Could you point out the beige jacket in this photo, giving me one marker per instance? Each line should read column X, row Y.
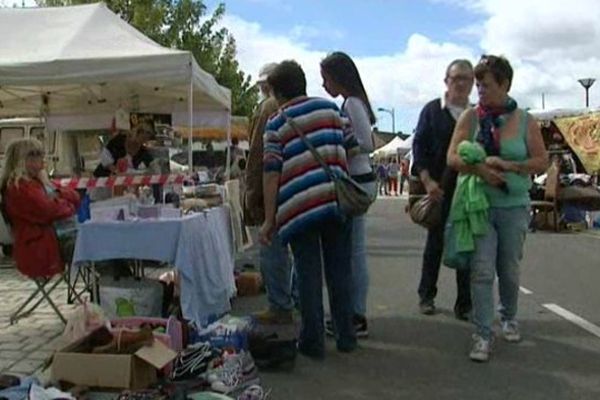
column 254, row 208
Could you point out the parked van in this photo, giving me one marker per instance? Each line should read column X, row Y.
column 68, row 153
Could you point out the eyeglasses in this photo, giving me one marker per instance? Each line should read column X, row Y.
column 461, row 78
column 35, row 153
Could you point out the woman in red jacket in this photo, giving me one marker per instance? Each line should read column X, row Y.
column 38, row 212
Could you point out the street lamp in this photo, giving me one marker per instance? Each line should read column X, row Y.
column 587, row 84
column 392, row 112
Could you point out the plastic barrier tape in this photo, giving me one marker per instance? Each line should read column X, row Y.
column 125, row 180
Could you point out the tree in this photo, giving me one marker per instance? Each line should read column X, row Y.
column 178, row 24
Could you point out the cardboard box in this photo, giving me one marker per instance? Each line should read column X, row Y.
column 119, row 371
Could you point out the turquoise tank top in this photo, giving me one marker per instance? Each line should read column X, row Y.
column 511, row 149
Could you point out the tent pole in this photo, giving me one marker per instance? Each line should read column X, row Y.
column 228, row 166
column 191, row 116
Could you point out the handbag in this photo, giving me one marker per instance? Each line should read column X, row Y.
column 422, row 209
column 426, row 212
column 352, row 199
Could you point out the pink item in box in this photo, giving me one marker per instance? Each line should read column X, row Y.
column 173, row 336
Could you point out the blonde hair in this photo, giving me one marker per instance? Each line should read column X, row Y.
column 14, row 160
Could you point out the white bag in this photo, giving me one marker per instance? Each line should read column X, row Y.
column 128, row 297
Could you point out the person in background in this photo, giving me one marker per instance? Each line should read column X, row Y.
column 393, row 170
column 275, row 263
column 515, row 150
column 382, row 178
column 125, row 151
column 403, row 173
column 432, row 138
column 41, row 215
column 341, row 78
column 301, row 204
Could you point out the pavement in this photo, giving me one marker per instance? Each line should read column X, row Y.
column 409, row 355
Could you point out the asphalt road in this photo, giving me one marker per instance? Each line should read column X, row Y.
column 411, row 356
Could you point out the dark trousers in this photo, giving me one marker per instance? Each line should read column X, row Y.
column 324, row 249
column 432, row 258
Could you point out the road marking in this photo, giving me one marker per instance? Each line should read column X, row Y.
column 574, row 318
column 524, row 290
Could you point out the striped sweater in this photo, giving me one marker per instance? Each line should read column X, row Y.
column 306, row 195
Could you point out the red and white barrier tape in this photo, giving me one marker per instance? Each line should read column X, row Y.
column 124, row 180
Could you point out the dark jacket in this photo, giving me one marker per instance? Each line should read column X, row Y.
column 431, row 142
column 32, row 213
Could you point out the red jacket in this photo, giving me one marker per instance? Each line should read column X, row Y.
column 32, row 212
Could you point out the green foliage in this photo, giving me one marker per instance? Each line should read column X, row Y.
column 182, row 24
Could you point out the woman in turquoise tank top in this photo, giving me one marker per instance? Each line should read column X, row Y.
column 515, row 150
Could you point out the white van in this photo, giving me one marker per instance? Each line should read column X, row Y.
column 67, row 153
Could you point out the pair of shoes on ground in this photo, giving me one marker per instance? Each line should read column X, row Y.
column 482, row 347
column 274, row 317
column 361, row 327
column 318, row 352
column 462, row 314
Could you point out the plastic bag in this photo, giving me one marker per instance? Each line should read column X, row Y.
column 86, row 318
column 452, row 257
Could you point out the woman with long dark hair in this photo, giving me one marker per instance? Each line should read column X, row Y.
column 341, row 78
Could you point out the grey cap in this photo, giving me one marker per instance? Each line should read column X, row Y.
column 264, row 72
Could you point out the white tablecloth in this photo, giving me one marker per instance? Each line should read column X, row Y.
column 199, row 246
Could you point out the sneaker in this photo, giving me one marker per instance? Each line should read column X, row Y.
column 510, row 331
column 462, row 314
column 254, row 392
column 361, row 327
column 480, row 352
column 236, row 373
column 427, row 308
column 274, row 317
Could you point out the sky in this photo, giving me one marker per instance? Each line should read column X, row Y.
column 402, row 47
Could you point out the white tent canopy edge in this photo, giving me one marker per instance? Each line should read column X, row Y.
column 85, row 60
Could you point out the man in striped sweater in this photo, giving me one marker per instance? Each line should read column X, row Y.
column 301, row 204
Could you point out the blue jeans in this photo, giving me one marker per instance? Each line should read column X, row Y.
column 278, row 273
column 360, row 271
column 324, row 248
column 498, row 253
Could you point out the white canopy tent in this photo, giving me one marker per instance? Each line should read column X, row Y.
column 85, row 60
column 395, row 147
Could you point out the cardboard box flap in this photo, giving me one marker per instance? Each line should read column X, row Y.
column 158, row 355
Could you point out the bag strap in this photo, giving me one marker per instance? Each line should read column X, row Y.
column 308, row 144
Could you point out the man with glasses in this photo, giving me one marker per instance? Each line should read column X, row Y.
column 432, row 138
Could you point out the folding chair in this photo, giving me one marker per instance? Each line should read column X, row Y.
column 42, row 285
column 45, row 286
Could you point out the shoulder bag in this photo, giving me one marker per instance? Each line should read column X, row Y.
column 423, row 210
column 352, row 199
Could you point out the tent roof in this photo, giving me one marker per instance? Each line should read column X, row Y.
column 86, row 59
column 392, row 147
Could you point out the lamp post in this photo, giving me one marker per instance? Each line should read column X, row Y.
column 587, row 84
column 392, row 112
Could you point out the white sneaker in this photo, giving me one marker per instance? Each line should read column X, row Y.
column 510, row 331
column 481, row 349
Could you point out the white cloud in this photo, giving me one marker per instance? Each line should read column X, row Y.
column 405, row 80
column 550, row 43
